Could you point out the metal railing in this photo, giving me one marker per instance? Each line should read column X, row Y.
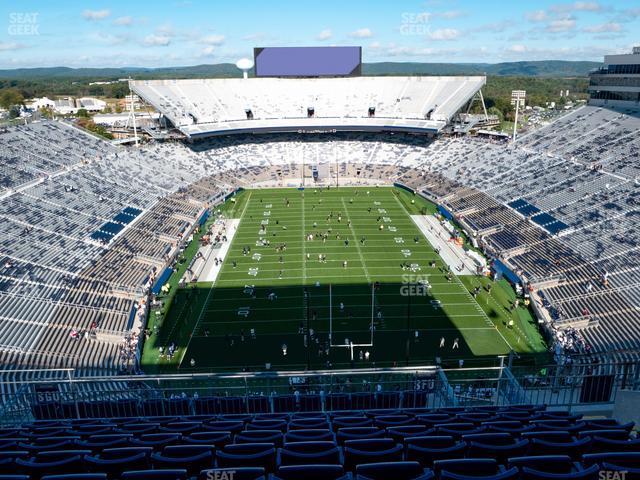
column 28, row 395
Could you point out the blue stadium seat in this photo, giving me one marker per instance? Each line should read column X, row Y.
column 510, row 474
column 630, row 473
column 507, row 426
column 481, row 467
column 112, row 440
column 193, row 458
column 72, row 476
column 286, row 416
column 608, row 424
column 310, row 435
column 590, row 473
column 272, row 424
column 393, row 470
column 501, row 452
column 393, row 421
column 309, row 423
column 114, row 461
column 406, row 431
column 310, row 453
column 231, row 426
column 426, row 450
column 238, row 473
column 52, row 462
column 343, row 422
column 574, row 448
column 544, row 463
column 600, row 444
column 312, row 472
column 50, row 443
column 630, row 459
column 181, row 427
column 175, row 474
column 358, row 433
column 248, row 455
column 357, row 452
column 458, row 429
column 612, row 434
column 218, row 438
column 138, row 428
column 260, row 436
column 156, row 440
column 433, row 419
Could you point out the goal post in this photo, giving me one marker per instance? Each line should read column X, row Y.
column 351, row 345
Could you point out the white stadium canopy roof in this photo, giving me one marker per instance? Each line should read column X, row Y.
column 204, row 107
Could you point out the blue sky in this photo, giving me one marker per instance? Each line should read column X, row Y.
column 186, row 32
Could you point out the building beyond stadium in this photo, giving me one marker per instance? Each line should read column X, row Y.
column 617, row 84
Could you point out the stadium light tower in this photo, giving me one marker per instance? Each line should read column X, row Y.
column 245, row 64
column 517, row 98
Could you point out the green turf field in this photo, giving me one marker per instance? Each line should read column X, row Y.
column 270, row 253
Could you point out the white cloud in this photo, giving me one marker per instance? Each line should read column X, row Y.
column 207, row 51
column 537, row 16
column 154, row 40
column 325, row 34
column 610, row 27
column 562, row 25
column 576, row 7
column 587, row 6
column 444, row 34
column 517, row 48
column 123, row 21
column 10, row 46
column 108, row 38
column 361, row 33
column 213, row 39
column 93, row 15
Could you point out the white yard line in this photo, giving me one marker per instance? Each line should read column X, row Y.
column 464, row 289
column 304, row 245
column 206, row 301
column 355, row 240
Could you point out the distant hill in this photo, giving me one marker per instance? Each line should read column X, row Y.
column 550, row 68
column 546, row 68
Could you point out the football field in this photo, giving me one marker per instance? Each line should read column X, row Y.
column 340, row 277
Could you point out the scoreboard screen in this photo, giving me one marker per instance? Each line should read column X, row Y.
column 308, row 61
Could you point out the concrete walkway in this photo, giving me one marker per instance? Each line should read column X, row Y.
column 205, row 268
column 438, row 236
